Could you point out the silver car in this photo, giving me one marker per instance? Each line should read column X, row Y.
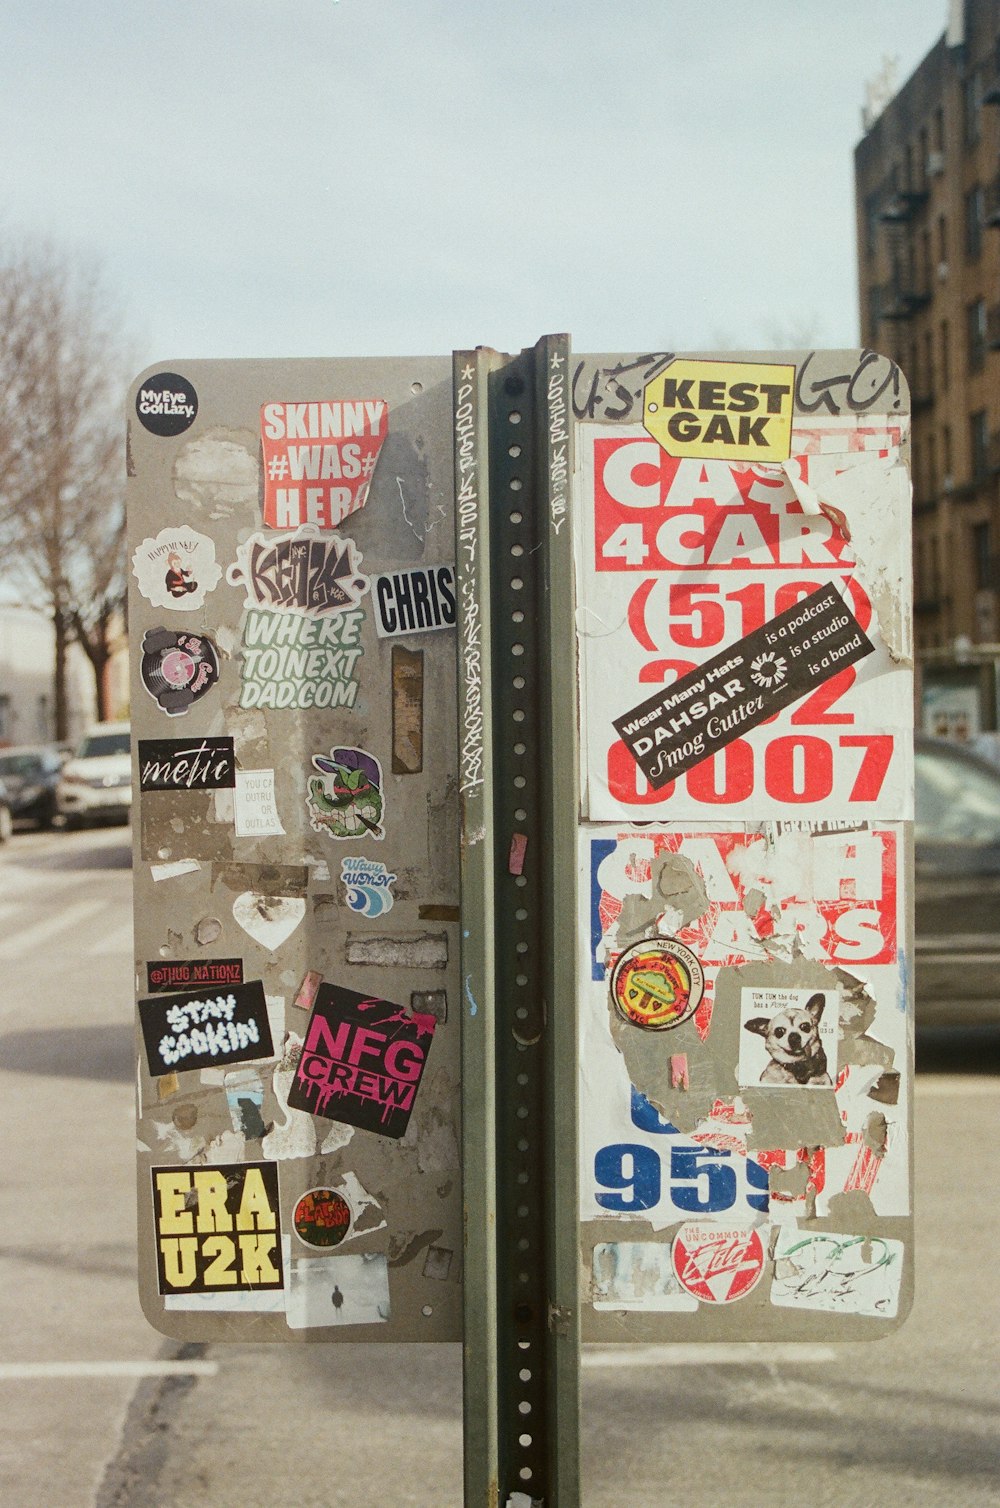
column 96, row 783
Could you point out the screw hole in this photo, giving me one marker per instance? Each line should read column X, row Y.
column 416, row 387
column 517, row 549
column 514, row 416
column 519, row 683
column 516, row 484
column 514, row 450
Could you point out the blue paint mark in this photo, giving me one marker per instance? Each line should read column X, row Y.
column 904, row 977
column 466, row 934
column 473, row 1007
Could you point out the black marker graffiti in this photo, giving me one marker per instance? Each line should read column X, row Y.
column 855, row 392
column 606, row 392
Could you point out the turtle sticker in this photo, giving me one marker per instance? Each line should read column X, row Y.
column 345, row 798
column 657, row 983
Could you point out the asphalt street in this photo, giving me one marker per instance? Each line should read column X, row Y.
column 99, row 1410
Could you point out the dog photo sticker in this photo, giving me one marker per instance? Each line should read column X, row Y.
column 177, row 569
column 788, row 1038
column 177, row 668
column 657, row 983
column 345, row 798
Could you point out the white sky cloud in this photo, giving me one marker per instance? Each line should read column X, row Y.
column 355, row 177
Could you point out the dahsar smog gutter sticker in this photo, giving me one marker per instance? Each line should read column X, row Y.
column 743, row 686
column 722, row 411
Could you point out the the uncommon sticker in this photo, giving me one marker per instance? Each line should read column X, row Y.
column 722, row 410
column 717, row 1263
column 362, row 1061
column 414, row 601
column 206, row 1028
column 657, row 983
column 368, row 884
column 176, row 569
column 185, row 764
column 788, row 1038
column 345, row 798
column 734, row 691
column 164, row 976
column 319, row 458
column 217, row 1229
column 177, row 668
column 303, row 572
column 322, row 1218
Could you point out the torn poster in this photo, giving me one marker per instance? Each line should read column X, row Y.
column 319, row 459
column 694, row 704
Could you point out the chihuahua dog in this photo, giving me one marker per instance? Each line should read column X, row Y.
column 792, row 1040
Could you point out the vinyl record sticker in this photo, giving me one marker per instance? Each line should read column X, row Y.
column 177, row 668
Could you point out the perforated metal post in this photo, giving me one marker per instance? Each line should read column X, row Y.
column 519, row 814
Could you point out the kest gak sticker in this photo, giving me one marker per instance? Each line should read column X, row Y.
column 722, row 410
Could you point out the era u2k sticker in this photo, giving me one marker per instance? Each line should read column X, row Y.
column 319, row 458
column 345, row 798
column 217, row 1229
column 362, row 1061
column 177, row 569
column 177, row 669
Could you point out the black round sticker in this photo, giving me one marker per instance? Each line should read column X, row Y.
column 166, row 404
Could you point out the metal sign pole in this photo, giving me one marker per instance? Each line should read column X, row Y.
column 518, row 717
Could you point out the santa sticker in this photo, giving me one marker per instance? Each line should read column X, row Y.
column 176, row 569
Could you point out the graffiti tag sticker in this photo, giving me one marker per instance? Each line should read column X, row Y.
column 718, row 1264
column 369, row 886
column 177, row 669
column 322, row 1218
column 657, row 983
column 299, row 573
column 205, row 1028
column 217, row 1229
column 742, row 687
column 188, row 973
column 841, row 1274
column 183, row 764
column 319, row 458
column 177, row 569
column 294, row 663
column 362, row 1061
column 345, row 799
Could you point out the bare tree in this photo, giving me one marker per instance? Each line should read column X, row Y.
column 62, row 374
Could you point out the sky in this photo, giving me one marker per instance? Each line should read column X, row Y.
column 398, row 177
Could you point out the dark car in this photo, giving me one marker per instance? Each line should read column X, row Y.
column 6, row 816
column 30, row 775
column 957, row 886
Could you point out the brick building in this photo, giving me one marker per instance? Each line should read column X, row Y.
column 927, row 183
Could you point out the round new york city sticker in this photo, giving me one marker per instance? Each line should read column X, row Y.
column 657, row 983
column 322, row 1218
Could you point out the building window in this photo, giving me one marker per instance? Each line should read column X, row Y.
column 874, row 311
column 974, row 216
column 981, row 562
column 975, row 316
column 872, row 223
column 932, row 466
column 942, row 241
column 945, row 354
column 946, row 455
column 979, row 445
column 972, row 108
column 939, row 130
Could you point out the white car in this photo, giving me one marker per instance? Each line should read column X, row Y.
column 96, row 783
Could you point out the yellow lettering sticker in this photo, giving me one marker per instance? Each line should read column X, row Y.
column 722, row 410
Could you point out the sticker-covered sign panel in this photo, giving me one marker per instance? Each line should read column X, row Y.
column 291, row 553
column 743, row 635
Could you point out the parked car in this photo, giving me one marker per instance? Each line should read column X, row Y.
column 957, row 886
column 6, row 815
column 30, row 775
column 96, row 783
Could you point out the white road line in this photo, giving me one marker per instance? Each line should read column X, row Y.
column 17, row 944
column 28, row 1371
column 711, row 1354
